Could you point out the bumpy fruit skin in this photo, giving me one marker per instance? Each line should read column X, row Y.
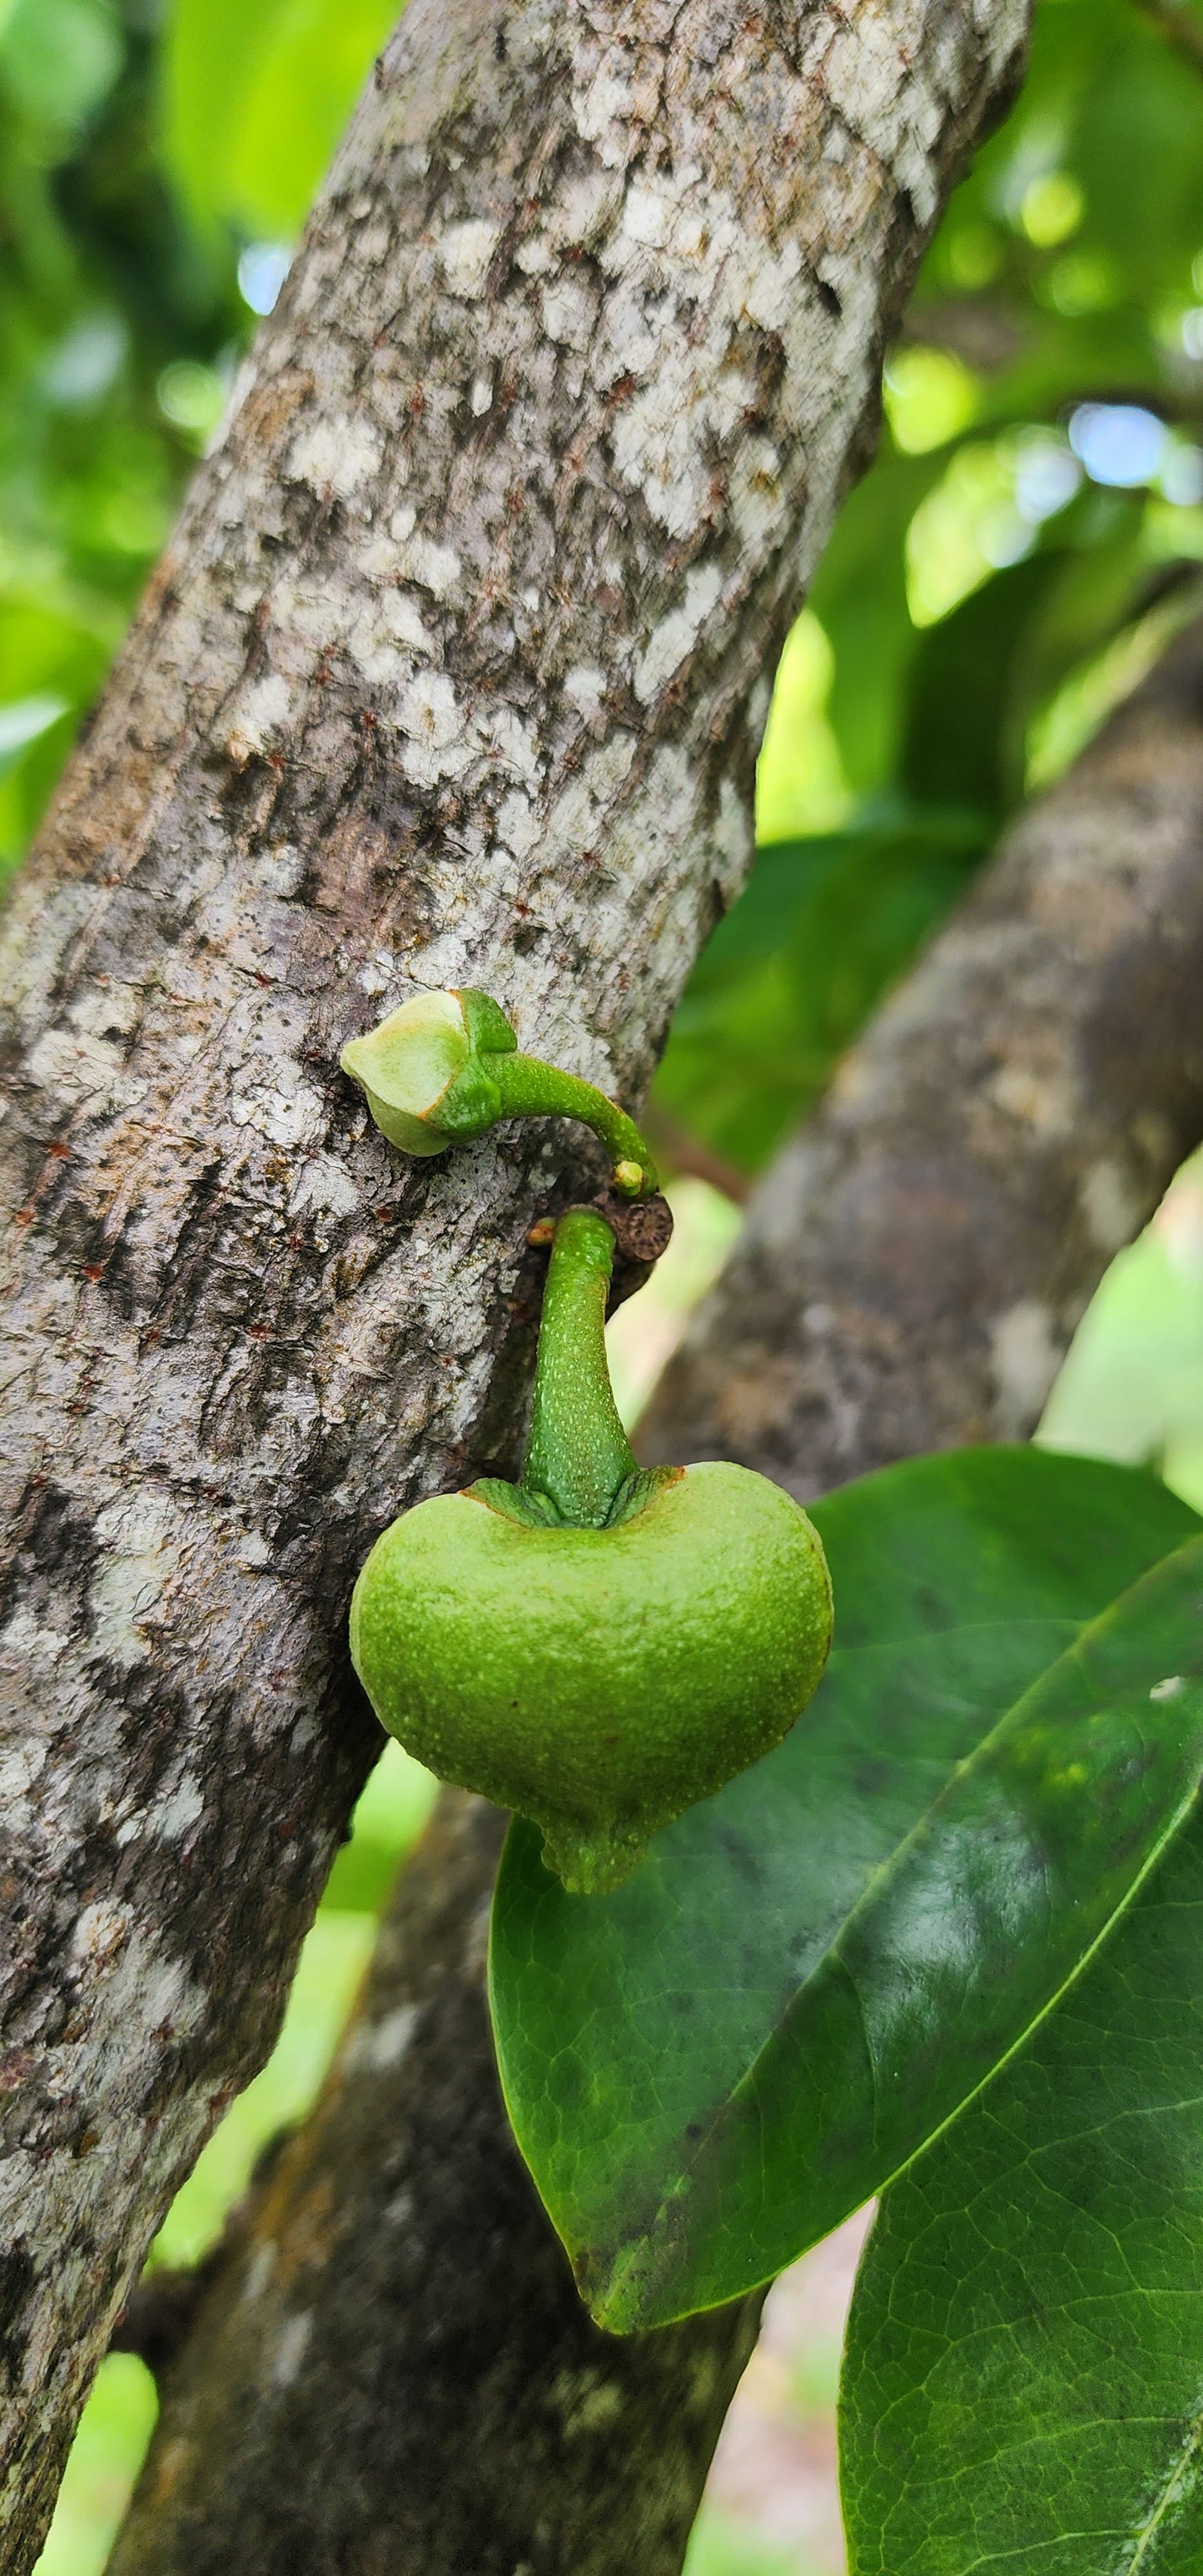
column 598, row 1680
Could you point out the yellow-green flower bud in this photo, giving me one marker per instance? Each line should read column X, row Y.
column 446, row 1066
column 425, row 1071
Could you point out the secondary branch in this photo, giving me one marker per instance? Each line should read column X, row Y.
column 913, row 1263
column 447, row 677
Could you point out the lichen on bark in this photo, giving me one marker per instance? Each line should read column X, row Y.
column 445, row 676
column 1010, row 1116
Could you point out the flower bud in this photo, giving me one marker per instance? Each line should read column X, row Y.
column 425, row 1070
column 446, row 1066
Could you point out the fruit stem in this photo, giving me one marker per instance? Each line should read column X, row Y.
column 579, row 1454
column 531, row 1089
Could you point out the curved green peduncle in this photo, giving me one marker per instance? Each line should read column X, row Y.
column 444, row 1067
column 531, row 1089
column 579, row 1454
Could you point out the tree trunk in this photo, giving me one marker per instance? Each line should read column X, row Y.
column 445, row 678
column 387, row 2375
column 393, row 2371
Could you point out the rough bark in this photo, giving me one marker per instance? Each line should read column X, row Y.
column 481, row 2430
column 1008, row 1121
column 913, row 1268
column 446, row 677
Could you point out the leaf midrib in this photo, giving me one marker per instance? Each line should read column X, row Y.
column 833, row 1952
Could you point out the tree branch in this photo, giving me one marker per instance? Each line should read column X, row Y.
column 1010, row 1118
column 1176, row 20
column 911, row 1273
column 444, row 678
column 482, row 2428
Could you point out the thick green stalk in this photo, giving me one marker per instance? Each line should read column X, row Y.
column 579, row 1454
column 531, row 1089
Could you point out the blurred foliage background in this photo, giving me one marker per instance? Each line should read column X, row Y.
column 1028, row 538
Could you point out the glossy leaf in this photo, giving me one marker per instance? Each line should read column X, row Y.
column 813, row 1971
column 1022, row 2388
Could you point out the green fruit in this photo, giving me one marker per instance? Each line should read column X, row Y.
column 600, row 1680
column 596, row 1647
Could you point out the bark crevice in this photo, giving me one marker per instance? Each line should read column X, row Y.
column 1051, row 1035
column 443, row 679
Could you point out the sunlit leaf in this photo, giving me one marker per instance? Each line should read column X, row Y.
column 23, row 721
column 258, row 93
column 812, row 1972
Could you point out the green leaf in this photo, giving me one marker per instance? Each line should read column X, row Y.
column 813, row 1971
column 963, row 742
column 257, row 95
column 794, row 969
column 1023, row 2381
column 23, row 721
column 859, row 598
column 58, row 58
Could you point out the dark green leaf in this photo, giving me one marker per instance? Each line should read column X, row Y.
column 958, row 747
column 793, row 971
column 859, row 597
column 1023, row 2388
column 811, row 1972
